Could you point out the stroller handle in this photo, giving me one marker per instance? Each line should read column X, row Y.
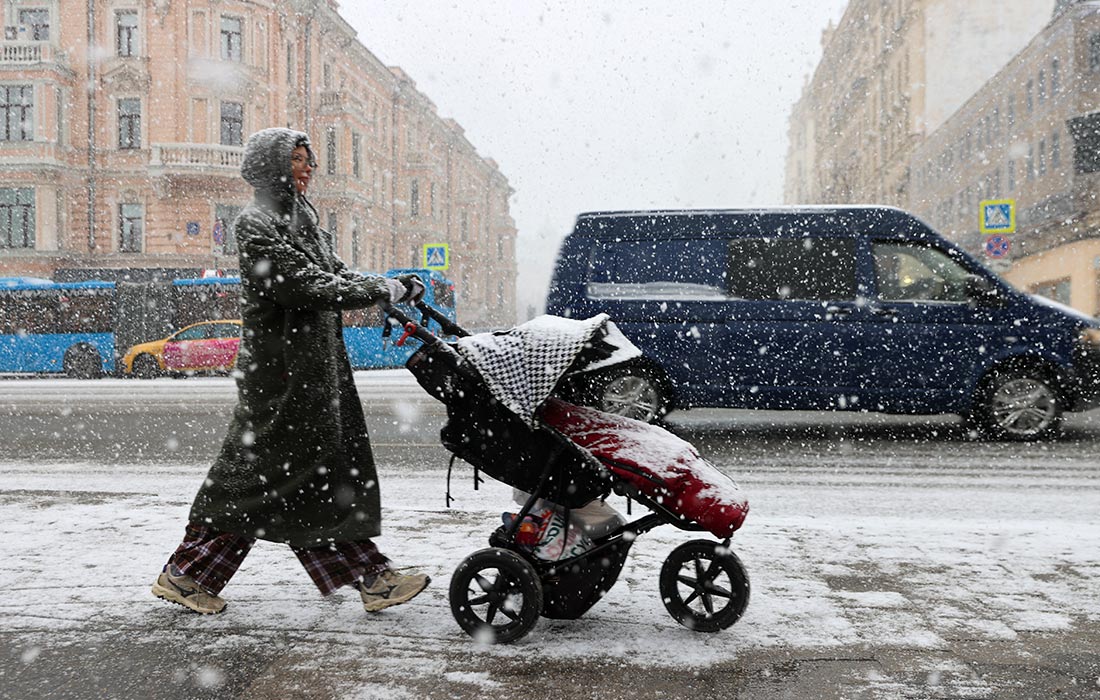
column 420, row 330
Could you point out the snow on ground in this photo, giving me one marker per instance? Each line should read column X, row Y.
column 831, row 565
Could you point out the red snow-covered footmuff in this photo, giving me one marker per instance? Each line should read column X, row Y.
column 656, row 462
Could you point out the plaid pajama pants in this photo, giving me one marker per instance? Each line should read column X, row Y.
column 211, row 557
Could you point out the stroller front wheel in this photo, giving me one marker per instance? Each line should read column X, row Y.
column 704, row 586
column 495, row 596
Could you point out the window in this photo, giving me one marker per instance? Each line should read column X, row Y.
column 330, row 151
column 231, row 39
column 414, row 198
column 810, row 268
column 131, row 223
column 232, row 124
column 1094, row 52
column 224, row 231
column 37, row 22
column 1055, row 150
column 1058, row 290
column 326, row 75
column 1042, row 86
column 129, row 123
column 355, row 252
column 905, row 272
column 201, row 332
column 1055, row 76
column 1086, row 136
column 289, row 63
column 1042, row 157
column 356, row 156
column 1029, row 98
column 85, row 311
column 16, row 217
column 647, row 269
column 1011, row 176
column 16, row 112
column 431, row 199
column 126, row 33
column 332, row 221
column 1030, row 162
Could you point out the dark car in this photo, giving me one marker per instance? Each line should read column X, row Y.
column 860, row 308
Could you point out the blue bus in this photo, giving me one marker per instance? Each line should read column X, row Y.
column 57, row 326
column 367, row 345
column 215, row 298
column 82, row 328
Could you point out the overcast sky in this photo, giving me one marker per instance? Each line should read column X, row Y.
column 590, row 105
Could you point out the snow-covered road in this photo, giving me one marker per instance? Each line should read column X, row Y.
column 857, row 560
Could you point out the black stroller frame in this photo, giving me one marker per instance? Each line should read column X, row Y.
column 497, row 594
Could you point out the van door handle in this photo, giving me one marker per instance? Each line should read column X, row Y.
column 883, row 311
column 842, row 311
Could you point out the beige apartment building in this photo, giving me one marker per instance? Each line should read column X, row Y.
column 891, row 72
column 122, row 125
column 1030, row 134
column 1020, row 123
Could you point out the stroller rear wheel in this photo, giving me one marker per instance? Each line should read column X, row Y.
column 496, row 596
column 704, row 586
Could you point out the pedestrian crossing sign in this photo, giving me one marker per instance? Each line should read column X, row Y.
column 998, row 216
column 436, row 256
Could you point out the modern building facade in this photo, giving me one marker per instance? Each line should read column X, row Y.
column 122, row 125
column 1029, row 132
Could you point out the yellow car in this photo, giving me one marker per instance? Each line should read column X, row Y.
column 200, row 347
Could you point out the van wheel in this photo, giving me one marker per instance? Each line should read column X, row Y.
column 1018, row 405
column 82, row 362
column 633, row 392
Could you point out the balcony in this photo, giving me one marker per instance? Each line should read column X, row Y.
column 198, row 156
column 25, row 52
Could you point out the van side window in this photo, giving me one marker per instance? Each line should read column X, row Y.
column 905, row 272
column 682, row 269
column 815, row 269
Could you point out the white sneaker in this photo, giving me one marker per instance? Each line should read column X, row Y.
column 184, row 591
column 391, row 588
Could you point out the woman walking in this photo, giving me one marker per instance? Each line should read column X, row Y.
column 296, row 465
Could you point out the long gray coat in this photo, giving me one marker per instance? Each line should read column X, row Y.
column 296, row 465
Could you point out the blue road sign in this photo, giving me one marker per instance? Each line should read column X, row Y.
column 998, row 216
column 436, row 256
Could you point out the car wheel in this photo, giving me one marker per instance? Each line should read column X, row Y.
column 495, row 596
column 631, row 392
column 704, row 586
column 82, row 362
column 1018, row 405
column 145, row 367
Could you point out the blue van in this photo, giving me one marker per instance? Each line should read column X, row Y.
column 859, row 308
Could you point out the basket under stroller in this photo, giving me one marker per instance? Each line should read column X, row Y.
column 503, row 420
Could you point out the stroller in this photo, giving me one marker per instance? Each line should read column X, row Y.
column 563, row 460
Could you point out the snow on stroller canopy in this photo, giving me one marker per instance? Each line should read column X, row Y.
column 521, row 366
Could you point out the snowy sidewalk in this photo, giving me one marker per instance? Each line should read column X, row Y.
column 851, row 599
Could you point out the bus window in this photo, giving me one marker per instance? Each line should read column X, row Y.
column 370, row 317
column 206, row 302
column 28, row 313
column 443, row 293
column 83, row 312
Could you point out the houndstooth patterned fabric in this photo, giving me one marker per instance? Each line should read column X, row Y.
column 522, row 365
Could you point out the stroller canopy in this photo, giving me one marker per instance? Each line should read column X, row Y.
column 521, row 366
